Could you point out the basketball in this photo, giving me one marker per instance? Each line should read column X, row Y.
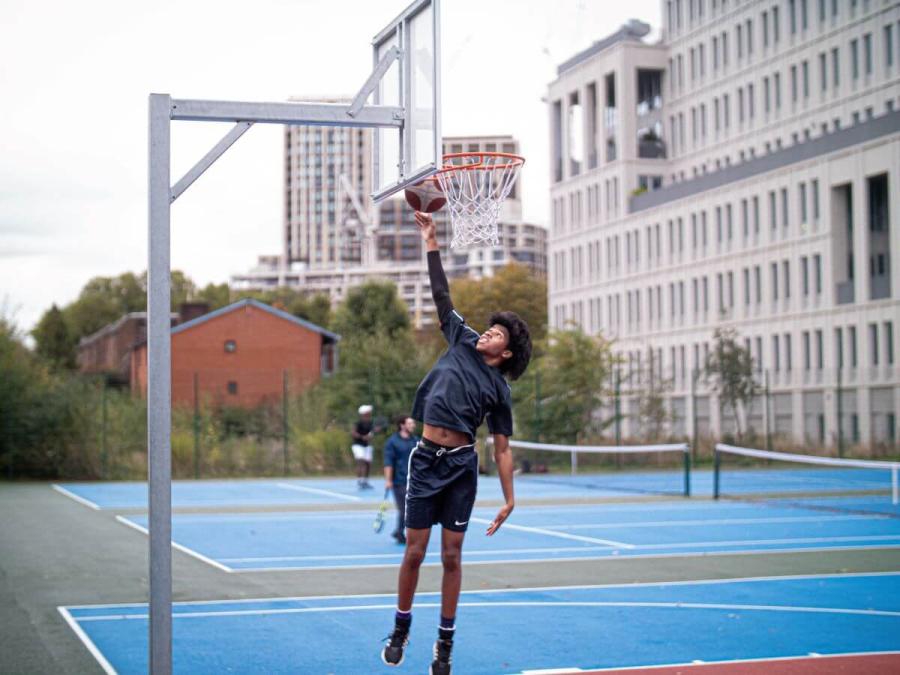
column 426, row 196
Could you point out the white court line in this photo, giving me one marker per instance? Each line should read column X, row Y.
column 798, row 609
column 71, row 495
column 561, row 535
column 87, row 642
column 514, row 551
column 698, row 664
column 755, row 542
column 597, row 559
column 399, row 554
column 317, row 491
column 721, row 521
column 180, row 547
column 640, row 584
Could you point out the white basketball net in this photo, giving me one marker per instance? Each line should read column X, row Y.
column 475, row 185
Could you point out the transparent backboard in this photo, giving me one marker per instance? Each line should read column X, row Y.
column 413, row 82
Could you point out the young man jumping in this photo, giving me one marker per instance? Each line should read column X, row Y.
column 466, row 385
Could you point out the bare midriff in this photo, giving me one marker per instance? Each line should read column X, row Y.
column 449, row 438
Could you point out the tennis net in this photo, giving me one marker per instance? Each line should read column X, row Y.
column 637, row 469
column 754, row 471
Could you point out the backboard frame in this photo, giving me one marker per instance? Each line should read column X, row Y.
column 408, row 169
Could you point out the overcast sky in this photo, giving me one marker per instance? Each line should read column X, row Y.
column 74, row 79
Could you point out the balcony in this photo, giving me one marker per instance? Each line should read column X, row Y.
column 881, row 287
column 845, row 293
column 651, row 146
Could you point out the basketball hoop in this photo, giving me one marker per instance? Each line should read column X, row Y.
column 475, row 185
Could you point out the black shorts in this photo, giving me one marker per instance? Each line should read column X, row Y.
column 441, row 486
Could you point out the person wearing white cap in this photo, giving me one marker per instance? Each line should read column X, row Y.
column 362, row 446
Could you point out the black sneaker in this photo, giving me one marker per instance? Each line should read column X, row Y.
column 441, row 663
column 392, row 654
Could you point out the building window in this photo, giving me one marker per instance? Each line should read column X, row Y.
column 820, row 350
column 889, row 343
column 807, row 360
column 786, row 274
column 873, row 342
column 823, row 72
column 888, row 46
column 867, row 52
column 839, row 347
column 817, row 273
column 230, row 346
column 784, row 207
column 815, row 200
column 804, row 275
column 233, row 388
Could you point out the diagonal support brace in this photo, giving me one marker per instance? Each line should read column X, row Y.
column 209, row 159
column 381, row 68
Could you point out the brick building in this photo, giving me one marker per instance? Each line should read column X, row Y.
column 238, row 356
column 108, row 351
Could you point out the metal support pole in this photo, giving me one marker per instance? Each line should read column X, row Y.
column 284, row 419
column 537, row 405
column 694, row 376
column 104, row 454
column 618, row 406
column 159, row 387
column 687, row 473
column 716, row 468
column 196, row 426
column 840, row 415
column 768, row 413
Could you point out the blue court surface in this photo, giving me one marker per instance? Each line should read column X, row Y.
column 299, row 492
column 345, row 539
column 521, row 630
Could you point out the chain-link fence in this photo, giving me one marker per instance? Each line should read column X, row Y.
column 273, row 423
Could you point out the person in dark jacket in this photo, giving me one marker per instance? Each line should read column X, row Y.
column 396, row 463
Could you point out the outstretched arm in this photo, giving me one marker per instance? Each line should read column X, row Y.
column 504, row 459
column 440, row 289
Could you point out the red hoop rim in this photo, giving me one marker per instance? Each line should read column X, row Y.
column 515, row 162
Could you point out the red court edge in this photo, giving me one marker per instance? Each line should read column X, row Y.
column 858, row 664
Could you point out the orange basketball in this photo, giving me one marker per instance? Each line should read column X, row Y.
column 426, row 196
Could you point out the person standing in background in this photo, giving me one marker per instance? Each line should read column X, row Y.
column 362, row 446
column 396, row 464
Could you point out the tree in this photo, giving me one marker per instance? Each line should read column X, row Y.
column 729, row 372
column 373, row 308
column 315, row 308
column 513, row 288
column 652, row 414
column 53, row 340
column 106, row 299
column 562, row 390
column 215, row 295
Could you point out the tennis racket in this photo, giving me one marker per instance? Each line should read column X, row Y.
column 378, row 525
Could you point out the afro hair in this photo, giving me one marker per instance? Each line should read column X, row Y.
column 519, row 343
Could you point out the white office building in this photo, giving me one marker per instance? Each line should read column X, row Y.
column 742, row 172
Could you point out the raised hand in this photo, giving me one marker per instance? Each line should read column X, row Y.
column 426, row 226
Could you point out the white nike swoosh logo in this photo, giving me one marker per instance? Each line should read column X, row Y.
column 459, row 524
